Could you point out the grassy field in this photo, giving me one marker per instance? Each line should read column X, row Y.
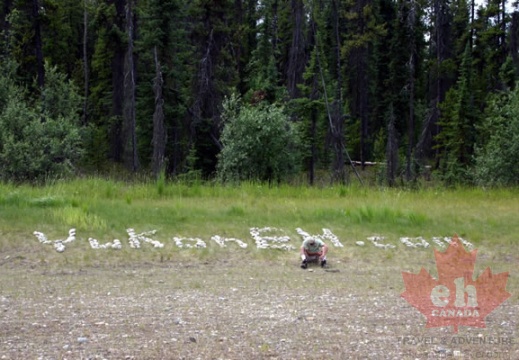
column 236, row 303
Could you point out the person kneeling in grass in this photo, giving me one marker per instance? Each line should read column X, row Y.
column 313, row 250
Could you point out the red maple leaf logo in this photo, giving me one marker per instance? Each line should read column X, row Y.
column 455, row 298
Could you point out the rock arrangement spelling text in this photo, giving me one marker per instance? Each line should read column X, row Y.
column 265, row 238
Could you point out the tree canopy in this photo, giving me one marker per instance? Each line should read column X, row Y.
column 414, row 85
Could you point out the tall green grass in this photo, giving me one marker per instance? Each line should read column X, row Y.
column 104, row 209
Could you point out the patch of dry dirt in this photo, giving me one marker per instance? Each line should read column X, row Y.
column 248, row 309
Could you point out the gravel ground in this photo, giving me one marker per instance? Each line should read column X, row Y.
column 229, row 309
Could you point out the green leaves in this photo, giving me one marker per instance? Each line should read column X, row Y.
column 497, row 160
column 41, row 150
column 43, row 140
column 60, row 96
column 259, row 143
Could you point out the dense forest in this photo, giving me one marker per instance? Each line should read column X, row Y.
column 261, row 89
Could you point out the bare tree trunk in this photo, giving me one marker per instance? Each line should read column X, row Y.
column 118, row 69
column 504, row 46
column 338, row 118
column 335, row 119
column 129, row 128
column 391, row 148
column 85, row 63
column 297, row 59
column 514, row 37
column 313, row 132
column 338, row 64
column 362, row 98
column 159, row 132
column 411, row 21
column 410, row 125
column 471, row 39
column 314, row 95
column 358, row 76
column 338, row 143
column 38, row 46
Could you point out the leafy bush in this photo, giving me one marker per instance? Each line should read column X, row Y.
column 497, row 159
column 60, row 97
column 43, row 140
column 259, row 143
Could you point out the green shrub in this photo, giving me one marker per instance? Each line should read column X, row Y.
column 42, row 140
column 259, row 143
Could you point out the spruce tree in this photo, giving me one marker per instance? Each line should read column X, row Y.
column 166, row 66
column 216, row 76
column 25, row 41
column 107, row 75
column 459, row 120
column 496, row 160
column 264, row 76
column 363, row 29
column 311, row 107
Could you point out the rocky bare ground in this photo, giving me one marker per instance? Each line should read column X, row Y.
column 234, row 309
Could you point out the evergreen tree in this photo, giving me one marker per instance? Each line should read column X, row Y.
column 166, row 66
column 154, row 74
column 514, row 39
column 459, row 119
column 62, row 36
column 451, row 33
column 364, row 28
column 280, row 30
column 129, row 125
column 496, row 160
column 297, row 54
column 5, row 11
column 25, row 42
column 382, row 56
column 107, row 76
column 441, row 75
column 245, row 36
column 264, row 77
column 311, row 107
column 216, row 76
column 407, row 50
column 490, row 48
